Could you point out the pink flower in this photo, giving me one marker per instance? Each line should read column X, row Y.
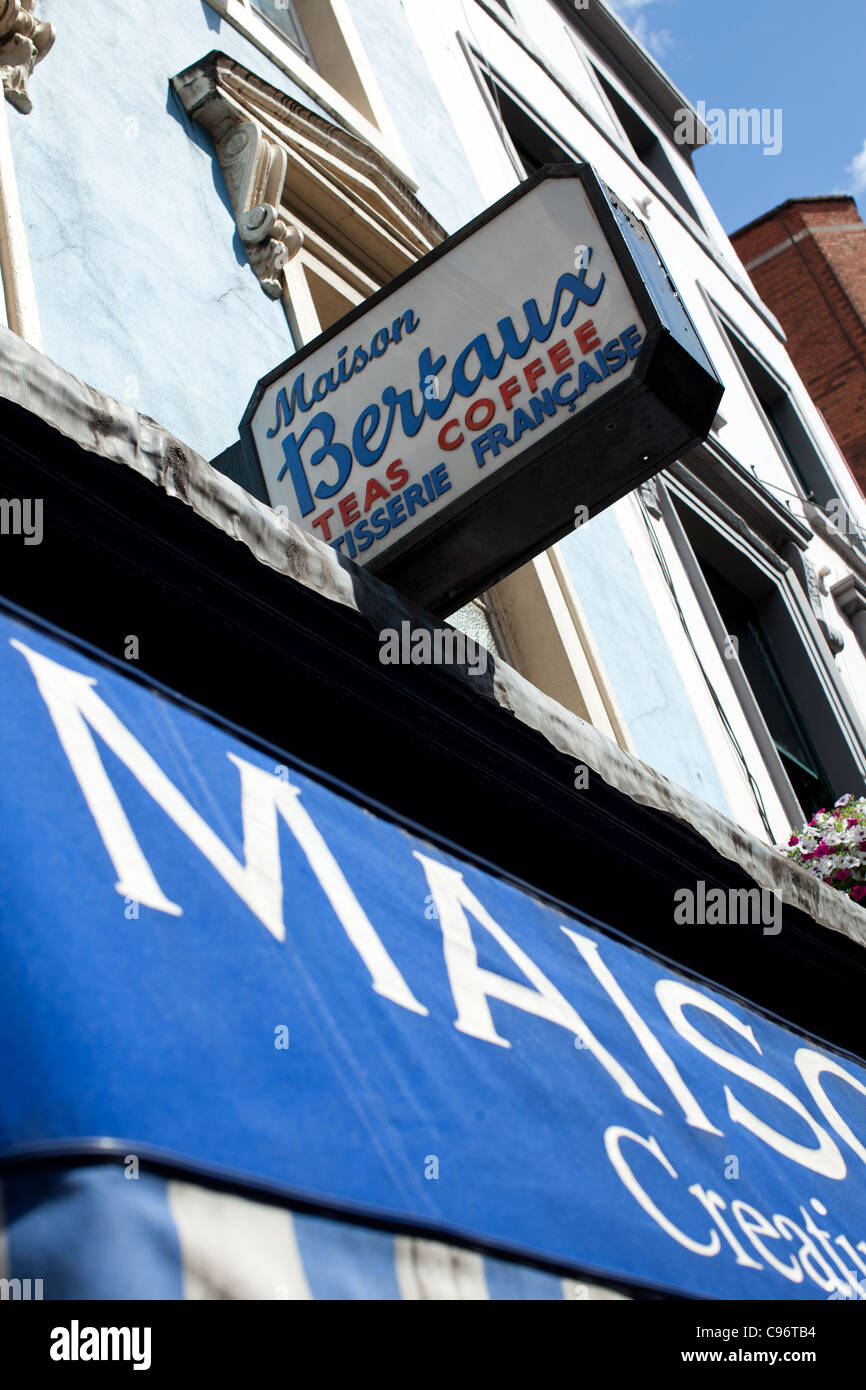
column 858, row 893
column 851, row 821
column 794, row 840
column 842, row 875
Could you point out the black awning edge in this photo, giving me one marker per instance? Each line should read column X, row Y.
column 117, row 433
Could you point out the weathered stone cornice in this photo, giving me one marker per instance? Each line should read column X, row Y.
column 742, row 490
column 286, row 165
column 254, row 168
column 850, row 596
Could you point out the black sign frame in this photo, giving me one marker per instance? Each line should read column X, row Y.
column 663, row 409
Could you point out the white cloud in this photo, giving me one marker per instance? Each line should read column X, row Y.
column 659, row 41
column 857, row 170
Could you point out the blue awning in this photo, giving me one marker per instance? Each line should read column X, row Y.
column 215, row 961
column 95, row 1232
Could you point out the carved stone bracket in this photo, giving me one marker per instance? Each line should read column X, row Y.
column 254, row 169
column 833, row 637
column 296, row 179
column 850, row 596
column 24, row 41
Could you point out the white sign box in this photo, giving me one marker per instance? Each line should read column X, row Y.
column 536, row 362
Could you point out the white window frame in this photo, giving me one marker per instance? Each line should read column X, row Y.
column 381, row 131
column 660, row 190
column 728, row 330
column 302, row 47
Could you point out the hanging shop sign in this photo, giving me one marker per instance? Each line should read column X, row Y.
column 521, row 377
column 213, row 958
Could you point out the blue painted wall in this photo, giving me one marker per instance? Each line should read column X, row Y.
column 641, row 665
column 144, row 288
column 446, row 184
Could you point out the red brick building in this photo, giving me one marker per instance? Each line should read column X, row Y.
column 807, row 259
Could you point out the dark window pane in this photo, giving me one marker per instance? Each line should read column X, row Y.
column 647, row 146
column 769, row 687
column 532, row 143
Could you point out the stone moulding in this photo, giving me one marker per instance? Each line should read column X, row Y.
column 254, row 169
column 850, row 596
column 294, row 178
column 24, row 42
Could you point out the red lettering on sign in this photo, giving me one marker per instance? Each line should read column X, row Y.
column 586, row 336
column 349, row 509
column 375, row 491
column 444, row 441
column 560, row 357
column 323, row 522
column 489, row 408
column 396, row 474
column 508, row 390
column 533, row 372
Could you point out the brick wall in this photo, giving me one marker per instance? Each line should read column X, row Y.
column 807, row 260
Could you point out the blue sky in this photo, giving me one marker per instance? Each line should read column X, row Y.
column 805, row 57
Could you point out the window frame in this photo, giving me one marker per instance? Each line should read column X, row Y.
column 565, row 148
column 302, row 47
column 377, row 128
column 796, row 473
column 793, row 631
column 486, row 78
column 606, row 84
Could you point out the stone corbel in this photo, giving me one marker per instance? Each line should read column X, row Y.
column 832, row 636
column 254, row 169
column 24, row 41
column 810, row 584
column 850, row 596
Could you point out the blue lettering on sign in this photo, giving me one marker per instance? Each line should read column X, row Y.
column 371, row 433
column 585, row 1098
column 293, row 399
column 397, row 509
column 564, row 394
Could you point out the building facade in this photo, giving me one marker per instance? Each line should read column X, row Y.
column 435, row 141
column 807, row 259
column 675, row 685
